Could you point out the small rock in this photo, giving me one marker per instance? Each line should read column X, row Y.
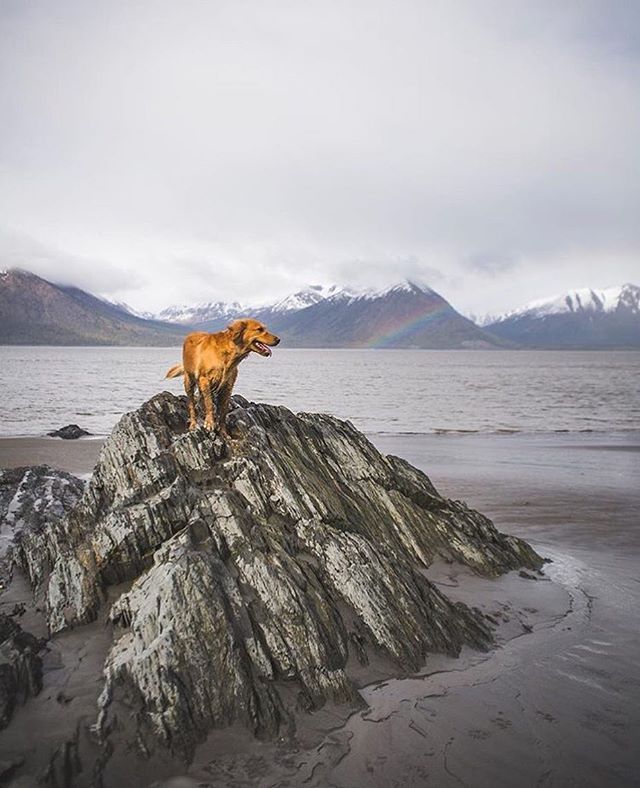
column 526, row 575
column 69, row 433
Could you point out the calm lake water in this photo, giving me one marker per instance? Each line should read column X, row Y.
column 380, row 391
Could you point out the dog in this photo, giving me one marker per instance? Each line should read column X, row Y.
column 210, row 363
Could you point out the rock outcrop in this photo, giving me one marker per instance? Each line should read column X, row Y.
column 33, row 504
column 244, row 581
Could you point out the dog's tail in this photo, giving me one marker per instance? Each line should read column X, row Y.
column 175, row 372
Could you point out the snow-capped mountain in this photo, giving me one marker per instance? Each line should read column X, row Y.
column 200, row 313
column 214, row 311
column 404, row 314
column 408, row 286
column 583, row 300
column 124, row 307
column 579, row 318
column 313, row 294
column 303, row 298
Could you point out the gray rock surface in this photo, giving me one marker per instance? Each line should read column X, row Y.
column 248, row 582
column 33, row 504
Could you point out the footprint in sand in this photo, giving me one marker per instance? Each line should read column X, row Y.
column 476, row 733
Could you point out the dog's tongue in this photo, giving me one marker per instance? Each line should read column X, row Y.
column 265, row 348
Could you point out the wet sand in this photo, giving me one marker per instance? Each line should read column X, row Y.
column 76, row 456
column 556, row 706
column 557, row 703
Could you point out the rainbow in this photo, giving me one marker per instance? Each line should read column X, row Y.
column 414, row 320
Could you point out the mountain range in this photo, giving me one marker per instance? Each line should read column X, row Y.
column 408, row 314
column 578, row 319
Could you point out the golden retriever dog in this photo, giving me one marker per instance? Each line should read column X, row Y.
column 210, row 362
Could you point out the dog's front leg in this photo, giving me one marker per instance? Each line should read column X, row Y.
column 204, row 383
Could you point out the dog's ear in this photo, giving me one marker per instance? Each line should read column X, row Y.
column 237, row 329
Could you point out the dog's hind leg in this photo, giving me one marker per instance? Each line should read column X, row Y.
column 224, row 397
column 204, row 384
column 190, row 388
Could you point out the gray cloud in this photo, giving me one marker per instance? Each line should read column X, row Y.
column 181, row 151
column 65, row 268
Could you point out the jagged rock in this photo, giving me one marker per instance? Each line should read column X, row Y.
column 186, row 653
column 33, row 504
column 69, row 433
column 20, row 667
column 266, row 563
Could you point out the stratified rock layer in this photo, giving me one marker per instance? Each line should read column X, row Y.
column 34, row 503
column 241, row 571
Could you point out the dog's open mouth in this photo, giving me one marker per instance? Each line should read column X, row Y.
column 261, row 348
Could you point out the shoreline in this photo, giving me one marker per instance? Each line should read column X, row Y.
column 438, row 454
column 77, row 456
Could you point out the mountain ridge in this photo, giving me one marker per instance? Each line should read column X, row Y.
column 309, row 296
column 580, row 318
column 34, row 311
column 577, row 300
column 405, row 314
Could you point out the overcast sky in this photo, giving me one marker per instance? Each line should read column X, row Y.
column 162, row 152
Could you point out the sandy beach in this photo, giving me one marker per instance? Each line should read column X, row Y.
column 556, row 703
column 76, row 456
column 554, row 706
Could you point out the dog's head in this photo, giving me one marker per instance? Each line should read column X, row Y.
column 251, row 336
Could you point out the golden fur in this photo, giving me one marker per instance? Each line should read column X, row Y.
column 210, row 362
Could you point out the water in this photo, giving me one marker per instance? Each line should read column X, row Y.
column 380, row 391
